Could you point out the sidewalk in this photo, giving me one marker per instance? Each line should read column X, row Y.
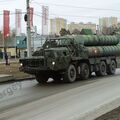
column 4, row 77
column 11, row 72
column 7, row 78
column 2, row 61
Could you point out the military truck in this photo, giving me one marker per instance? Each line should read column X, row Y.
column 73, row 57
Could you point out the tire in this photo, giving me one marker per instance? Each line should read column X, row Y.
column 70, row 74
column 85, row 71
column 41, row 79
column 102, row 69
column 111, row 68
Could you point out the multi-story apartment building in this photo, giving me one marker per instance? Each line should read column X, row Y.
column 56, row 25
column 79, row 26
column 107, row 22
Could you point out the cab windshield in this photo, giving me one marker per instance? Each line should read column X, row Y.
column 49, row 43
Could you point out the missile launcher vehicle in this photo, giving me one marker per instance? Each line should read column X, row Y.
column 73, row 57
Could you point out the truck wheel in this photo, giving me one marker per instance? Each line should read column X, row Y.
column 41, row 79
column 70, row 74
column 85, row 71
column 111, row 68
column 102, row 69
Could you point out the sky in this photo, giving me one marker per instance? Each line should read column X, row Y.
column 72, row 10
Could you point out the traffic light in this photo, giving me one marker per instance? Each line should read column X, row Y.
column 25, row 17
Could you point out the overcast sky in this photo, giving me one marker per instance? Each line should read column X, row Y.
column 72, row 14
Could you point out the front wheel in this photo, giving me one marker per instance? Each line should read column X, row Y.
column 70, row 74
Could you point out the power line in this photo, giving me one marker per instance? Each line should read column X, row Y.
column 13, row 13
column 80, row 7
column 56, row 15
column 39, row 13
column 75, row 16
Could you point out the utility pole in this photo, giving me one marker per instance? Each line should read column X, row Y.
column 3, row 44
column 34, row 37
column 28, row 30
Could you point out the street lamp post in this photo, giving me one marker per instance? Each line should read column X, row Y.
column 3, row 44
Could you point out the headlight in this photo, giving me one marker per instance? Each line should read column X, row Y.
column 21, row 64
column 53, row 63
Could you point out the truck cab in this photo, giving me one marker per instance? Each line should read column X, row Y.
column 47, row 62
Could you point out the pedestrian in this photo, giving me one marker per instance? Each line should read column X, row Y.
column 6, row 59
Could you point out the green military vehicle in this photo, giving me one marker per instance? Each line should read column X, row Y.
column 73, row 57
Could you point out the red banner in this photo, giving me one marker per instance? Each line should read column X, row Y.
column 31, row 16
column 6, row 23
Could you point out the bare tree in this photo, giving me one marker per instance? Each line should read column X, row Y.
column 76, row 32
column 64, row 32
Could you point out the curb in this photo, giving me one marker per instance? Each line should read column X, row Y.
column 4, row 78
column 16, row 80
column 24, row 79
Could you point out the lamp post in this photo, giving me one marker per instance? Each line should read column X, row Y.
column 3, row 44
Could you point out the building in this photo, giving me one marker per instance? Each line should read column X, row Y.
column 9, row 45
column 21, row 46
column 107, row 22
column 37, row 41
column 56, row 25
column 14, row 46
column 79, row 26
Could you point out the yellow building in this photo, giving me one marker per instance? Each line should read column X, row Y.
column 79, row 26
column 56, row 25
column 14, row 46
column 107, row 22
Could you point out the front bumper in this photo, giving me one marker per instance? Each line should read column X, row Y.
column 32, row 70
column 36, row 70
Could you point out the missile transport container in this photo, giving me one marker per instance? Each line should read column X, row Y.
column 75, row 57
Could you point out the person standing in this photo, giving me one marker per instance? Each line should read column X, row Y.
column 6, row 58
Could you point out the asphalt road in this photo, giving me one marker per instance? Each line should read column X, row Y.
column 28, row 91
column 17, row 94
